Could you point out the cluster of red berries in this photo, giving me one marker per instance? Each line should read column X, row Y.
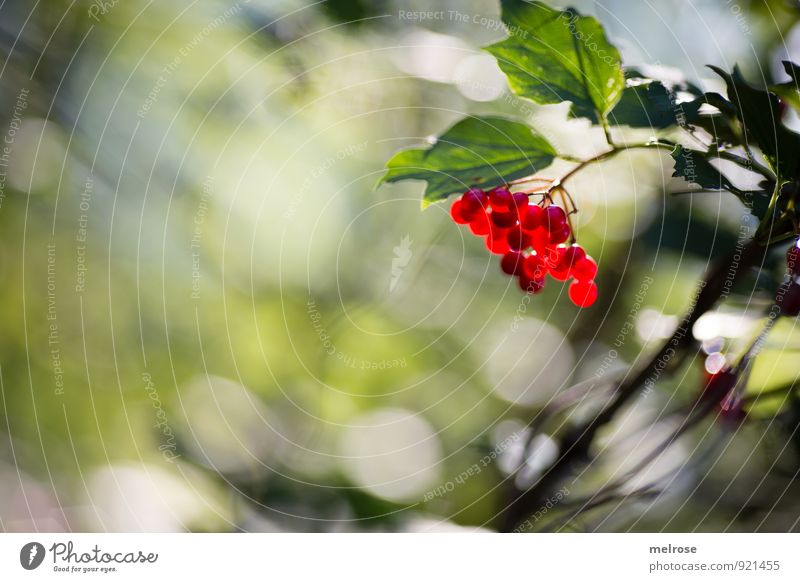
column 531, row 238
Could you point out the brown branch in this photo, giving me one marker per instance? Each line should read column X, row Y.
column 575, row 444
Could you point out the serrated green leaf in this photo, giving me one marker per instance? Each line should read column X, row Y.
column 645, row 103
column 552, row 56
column 693, row 166
column 476, row 150
column 722, row 125
column 759, row 113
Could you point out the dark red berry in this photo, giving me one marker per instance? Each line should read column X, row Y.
column 718, row 386
column 572, row 254
column 782, row 108
column 532, row 218
column 583, row 293
column 530, row 285
column 555, row 218
column 788, row 299
column 793, row 259
column 511, row 263
column 457, row 213
column 585, row 269
column 474, row 200
column 560, row 235
column 504, row 219
column 500, row 198
column 518, row 239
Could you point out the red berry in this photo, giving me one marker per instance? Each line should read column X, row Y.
column 530, row 285
column 788, row 299
column 551, row 255
column 561, row 235
column 533, row 267
column 559, row 271
column 480, row 225
column 457, row 213
column 500, row 198
column 718, row 386
column 518, row 239
column 559, row 274
column 583, row 293
column 793, row 259
column 540, row 238
column 532, row 217
column 572, row 254
column 585, row 269
column 497, row 241
column 511, row 263
column 474, row 200
column 519, row 202
column 555, row 218
column 504, row 219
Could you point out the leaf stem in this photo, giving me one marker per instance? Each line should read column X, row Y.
column 606, row 155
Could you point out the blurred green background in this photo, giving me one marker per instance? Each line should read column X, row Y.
column 211, row 321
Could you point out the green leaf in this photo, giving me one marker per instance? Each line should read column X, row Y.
column 645, row 103
column 790, row 91
column 552, row 56
column 759, row 112
column 722, row 124
column 693, row 166
column 476, row 150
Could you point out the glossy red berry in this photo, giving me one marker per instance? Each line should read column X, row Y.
column 551, row 255
column 572, row 254
column 519, row 202
column 559, row 270
column 511, row 263
column 584, row 269
column 480, row 225
column 532, row 218
column 533, row 267
column 530, row 285
column 497, row 241
column 583, row 293
column 473, row 200
column 518, row 239
column 501, row 199
column 555, row 219
column 457, row 213
column 793, row 259
column 540, row 238
column 560, row 235
column 503, row 219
